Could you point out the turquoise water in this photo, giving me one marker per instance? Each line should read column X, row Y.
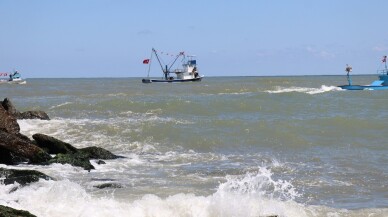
column 226, row 146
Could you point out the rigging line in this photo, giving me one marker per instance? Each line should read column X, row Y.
column 175, row 60
column 149, row 66
column 157, row 57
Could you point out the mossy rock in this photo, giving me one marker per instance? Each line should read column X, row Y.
column 23, row 177
column 98, row 153
column 78, row 159
column 6, row 211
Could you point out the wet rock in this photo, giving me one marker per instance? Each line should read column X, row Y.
column 76, row 159
column 9, row 158
column 101, row 162
column 17, row 148
column 11, row 212
column 66, row 153
column 23, row 177
column 33, row 115
column 98, row 153
column 8, row 122
column 14, row 148
column 10, row 108
column 109, row 185
column 53, row 145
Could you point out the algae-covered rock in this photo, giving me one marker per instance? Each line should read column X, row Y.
column 76, row 159
column 23, row 177
column 6, row 211
column 53, row 145
column 98, row 153
column 108, row 185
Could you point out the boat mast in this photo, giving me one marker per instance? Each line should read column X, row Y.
column 149, row 66
column 157, row 57
column 348, row 69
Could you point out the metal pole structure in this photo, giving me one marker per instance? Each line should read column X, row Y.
column 181, row 53
column 157, row 57
column 165, row 73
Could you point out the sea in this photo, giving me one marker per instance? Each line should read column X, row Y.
column 286, row 146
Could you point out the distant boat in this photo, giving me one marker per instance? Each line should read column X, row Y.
column 14, row 78
column 188, row 72
column 381, row 84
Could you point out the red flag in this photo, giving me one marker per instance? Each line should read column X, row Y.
column 146, row 61
column 384, row 59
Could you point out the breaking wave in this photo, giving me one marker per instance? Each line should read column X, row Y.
column 307, row 90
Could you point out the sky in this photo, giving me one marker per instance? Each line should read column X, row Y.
column 101, row 38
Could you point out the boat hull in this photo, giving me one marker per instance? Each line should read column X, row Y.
column 147, row 81
column 363, row 87
column 13, row 82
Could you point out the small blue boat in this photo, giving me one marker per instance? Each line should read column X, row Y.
column 381, row 84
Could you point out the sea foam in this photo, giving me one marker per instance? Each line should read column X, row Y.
column 239, row 196
column 307, row 90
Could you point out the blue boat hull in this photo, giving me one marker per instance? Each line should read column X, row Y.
column 363, row 87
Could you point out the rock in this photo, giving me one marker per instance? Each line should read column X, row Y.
column 98, row 153
column 10, row 108
column 6, row 211
column 9, row 158
column 66, row 153
column 33, row 115
column 76, row 159
column 8, row 122
column 100, row 162
column 18, row 148
column 53, row 145
column 23, row 177
column 109, row 185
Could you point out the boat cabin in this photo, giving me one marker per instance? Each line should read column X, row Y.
column 189, row 70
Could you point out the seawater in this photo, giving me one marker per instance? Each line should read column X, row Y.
column 226, row 146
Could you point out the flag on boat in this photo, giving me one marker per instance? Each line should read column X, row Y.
column 146, row 61
column 384, row 59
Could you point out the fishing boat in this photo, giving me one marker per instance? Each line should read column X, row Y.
column 14, row 78
column 188, row 72
column 381, row 84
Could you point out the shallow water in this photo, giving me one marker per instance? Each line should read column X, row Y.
column 226, row 146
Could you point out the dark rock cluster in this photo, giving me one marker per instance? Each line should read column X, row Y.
column 17, row 148
column 10, row 212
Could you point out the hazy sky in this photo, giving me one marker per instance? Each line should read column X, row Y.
column 101, row 38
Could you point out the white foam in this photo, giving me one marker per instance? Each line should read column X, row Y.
column 65, row 198
column 307, row 90
column 60, row 105
column 98, row 132
column 252, row 194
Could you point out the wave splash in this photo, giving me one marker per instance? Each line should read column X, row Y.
column 307, row 90
column 248, row 195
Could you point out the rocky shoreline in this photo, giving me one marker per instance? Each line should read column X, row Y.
column 16, row 148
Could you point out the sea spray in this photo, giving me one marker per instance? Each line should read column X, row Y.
column 307, row 90
column 240, row 196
